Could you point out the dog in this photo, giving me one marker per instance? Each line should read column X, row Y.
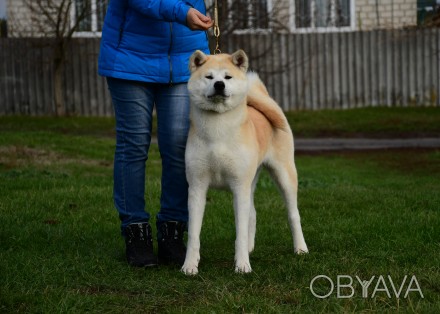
column 236, row 128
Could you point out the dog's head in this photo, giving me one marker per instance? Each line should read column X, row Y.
column 218, row 82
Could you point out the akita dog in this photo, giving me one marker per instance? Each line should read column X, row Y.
column 236, row 128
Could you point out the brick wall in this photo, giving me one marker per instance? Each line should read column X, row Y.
column 19, row 19
column 369, row 14
column 22, row 22
column 373, row 14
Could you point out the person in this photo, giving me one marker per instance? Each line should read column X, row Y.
column 144, row 55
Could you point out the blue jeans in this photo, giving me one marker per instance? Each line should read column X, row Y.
column 133, row 103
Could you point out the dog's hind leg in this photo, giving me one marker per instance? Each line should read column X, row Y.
column 242, row 209
column 196, row 209
column 285, row 175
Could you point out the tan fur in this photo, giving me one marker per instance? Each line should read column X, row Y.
column 236, row 128
column 259, row 99
column 262, row 129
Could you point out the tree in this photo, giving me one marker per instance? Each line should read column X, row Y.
column 58, row 20
column 255, row 14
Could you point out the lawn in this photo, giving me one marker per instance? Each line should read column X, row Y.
column 364, row 214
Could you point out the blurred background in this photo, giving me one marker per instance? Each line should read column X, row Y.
column 312, row 54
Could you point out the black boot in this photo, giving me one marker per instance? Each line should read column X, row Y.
column 139, row 245
column 172, row 250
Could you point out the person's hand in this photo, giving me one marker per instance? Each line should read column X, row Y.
column 197, row 21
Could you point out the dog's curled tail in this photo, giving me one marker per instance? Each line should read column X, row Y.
column 259, row 98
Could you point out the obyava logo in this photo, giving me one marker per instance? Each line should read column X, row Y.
column 325, row 286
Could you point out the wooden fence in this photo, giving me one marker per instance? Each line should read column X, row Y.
column 302, row 71
column 348, row 70
column 26, row 78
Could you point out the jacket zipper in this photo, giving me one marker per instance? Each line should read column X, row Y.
column 121, row 31
column 169, row 54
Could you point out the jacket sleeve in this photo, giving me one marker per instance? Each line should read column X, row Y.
column 166, row 10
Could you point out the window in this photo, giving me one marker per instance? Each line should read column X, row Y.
column 250, row 14
column 243, row 15
column 89, row 15
column 322, row 15
column 294, row 15
column 428, row 11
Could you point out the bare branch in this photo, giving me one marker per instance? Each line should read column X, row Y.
column 53, row 18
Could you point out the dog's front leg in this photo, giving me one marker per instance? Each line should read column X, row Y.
column 242, row 207
column 196, row 209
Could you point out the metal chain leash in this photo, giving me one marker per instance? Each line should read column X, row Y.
column 216, row 29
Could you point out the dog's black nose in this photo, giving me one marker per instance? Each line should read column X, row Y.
column 219, row 86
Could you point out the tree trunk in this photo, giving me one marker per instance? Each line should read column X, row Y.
column 60, row 107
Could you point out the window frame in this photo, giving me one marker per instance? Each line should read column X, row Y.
column 269, row 8
column 325, row 29
column 93, row 23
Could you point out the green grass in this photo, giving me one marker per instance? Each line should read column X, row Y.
column 367, row 122
column 363, row 213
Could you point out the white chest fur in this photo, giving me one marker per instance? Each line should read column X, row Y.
column 214, row 151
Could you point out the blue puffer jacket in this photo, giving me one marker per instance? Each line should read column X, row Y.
column 147, row 40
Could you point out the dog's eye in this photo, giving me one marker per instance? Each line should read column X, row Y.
column 227, row 77
column 209, row 77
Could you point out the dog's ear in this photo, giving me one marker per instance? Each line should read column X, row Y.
column 240, row 59
column 196, row 60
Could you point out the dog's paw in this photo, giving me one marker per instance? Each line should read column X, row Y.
column 243, row 268
column 190, row 270
column 301, row 249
